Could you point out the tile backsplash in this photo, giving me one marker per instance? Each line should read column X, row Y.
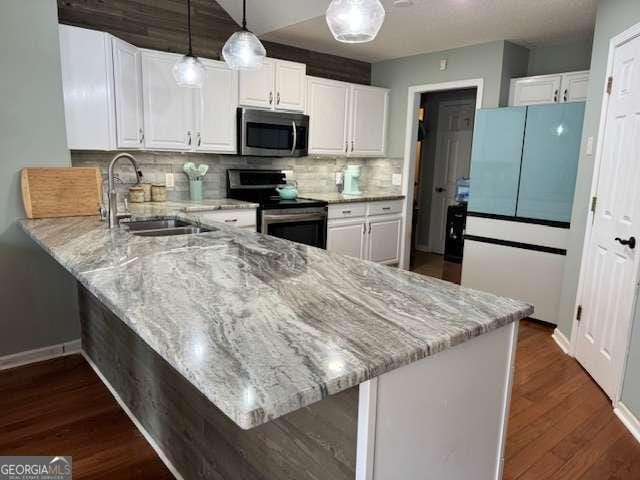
column 312, row 174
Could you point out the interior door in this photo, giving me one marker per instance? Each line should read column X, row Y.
column 215, row 109
column 257, row 87
column 452, row 161
column 127, row 75
column 291, row 83
column 611, row 269
column 368, row 121
column 328, row 110
column 168, row 108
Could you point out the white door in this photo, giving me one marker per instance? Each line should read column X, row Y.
column 328, row 110
column 168, row 108
column 384, row 239
column 347, row 237
column 610, row 271
column 257, row 87
column 291, row 85
column 215, row 109
column 575, row 87
column 127, row 76
column 368, row 130
column 536, row 90
column 452, row 161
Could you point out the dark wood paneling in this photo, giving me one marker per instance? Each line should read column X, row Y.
column 316, row 442
column 162, row 25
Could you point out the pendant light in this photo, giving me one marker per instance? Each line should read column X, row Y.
column 189, row 71
column 243, row 50
column 355, row 21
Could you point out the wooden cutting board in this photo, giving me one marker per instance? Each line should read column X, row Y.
column 61, row 192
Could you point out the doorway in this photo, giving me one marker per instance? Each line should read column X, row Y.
column 443, row 159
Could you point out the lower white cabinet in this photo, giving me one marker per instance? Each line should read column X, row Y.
column 358, row 230
column 244, row 218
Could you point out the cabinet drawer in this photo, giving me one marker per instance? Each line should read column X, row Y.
column 238, row 218
column 383, row 208
column 347, row 210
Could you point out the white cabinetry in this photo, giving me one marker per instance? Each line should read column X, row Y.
column 178, row 118
column 346, row 119
column 558, row 88
column 278, row 85
column 127, row 75
column 244, row 218
column 370, row 231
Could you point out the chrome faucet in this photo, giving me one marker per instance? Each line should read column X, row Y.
column 113, row 215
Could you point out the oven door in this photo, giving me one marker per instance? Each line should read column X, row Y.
column 272, row 134
column 308, row 227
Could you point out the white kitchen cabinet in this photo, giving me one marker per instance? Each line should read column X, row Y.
column 127, row 75
column 557, row 88
column 215, row 110
column 367, row 231
column 368, row 126
column 87, row 85
column 168, row 108
column 278, row 85
column 328, row 108
column 244, row 218
column 346, row 119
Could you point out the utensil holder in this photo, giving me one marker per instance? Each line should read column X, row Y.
column 195, row 190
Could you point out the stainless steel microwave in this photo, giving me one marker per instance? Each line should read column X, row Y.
column 263, row 133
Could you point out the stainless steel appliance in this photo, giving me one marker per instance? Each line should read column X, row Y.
column 263, row 133
column 300, row 220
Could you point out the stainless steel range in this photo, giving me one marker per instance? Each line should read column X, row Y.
column 300, row 220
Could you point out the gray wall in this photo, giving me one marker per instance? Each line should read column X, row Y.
column 515, row 60
column 476, row 61
column 565, row 57
column 37, row 299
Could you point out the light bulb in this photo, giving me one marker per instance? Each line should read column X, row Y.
column 355, row 21
column 244, row 51
column 189, row 72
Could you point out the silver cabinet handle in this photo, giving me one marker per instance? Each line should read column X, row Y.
column 346, row 212
column 386, row 208
column 189, row 138
column 369, row 228
column 278, row 99
column 199, row 139
column 346, row 146
column 270, row 98
column 555, row 96
column 566, row 94
column 352, row 145
column 295, row 136
column 364, row 228
column 231, row 220
column 141, row 136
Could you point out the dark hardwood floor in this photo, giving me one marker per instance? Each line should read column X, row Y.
column 562, row 426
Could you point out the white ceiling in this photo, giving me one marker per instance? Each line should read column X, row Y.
column 426, row 26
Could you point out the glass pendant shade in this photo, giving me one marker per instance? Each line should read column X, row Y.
column 189, row 72
column 355, row 21
column 244, row 51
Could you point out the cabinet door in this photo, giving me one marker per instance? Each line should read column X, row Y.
column 291, row 86
column 215, row 108
column 328, row 109
column 87, row 85
column 550, row 161
column 257, row 87
column 384, row 239
column 575, row 86
column 168, row 108
column 368, row 121
column 347, row 237
column 535, row 90
column 127, row 76
column 495, row 160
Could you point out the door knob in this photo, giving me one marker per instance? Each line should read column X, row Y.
column 440, row 190
column 631, row 243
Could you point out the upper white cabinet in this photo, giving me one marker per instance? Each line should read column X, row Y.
column 127, row 76
column 87, row 73
column 559, row 88
column 346, row 119
column 278, row 85
column 178, row 118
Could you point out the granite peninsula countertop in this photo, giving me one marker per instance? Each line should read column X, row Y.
column 263, row 326
column 335, row 197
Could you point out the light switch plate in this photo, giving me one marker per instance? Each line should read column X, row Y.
column 590, row 146
column 338, row 178
column 289, row 174
column 443, row 64
column 169, row 180
column 396, row 179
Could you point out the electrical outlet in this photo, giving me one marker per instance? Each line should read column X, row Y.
column 443, row 64
column 288, row 174
column 338, row 178
column 169, row 180
column 396, row 179
column 590, row 146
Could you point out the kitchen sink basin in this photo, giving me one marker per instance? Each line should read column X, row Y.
column 164, row 228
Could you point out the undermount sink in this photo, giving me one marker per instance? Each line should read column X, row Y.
column 164, row 228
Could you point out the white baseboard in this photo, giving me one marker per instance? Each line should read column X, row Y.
column 135, row 421
column 628, row 419
column 562, row 341
column 39, row 354
column 422, row 248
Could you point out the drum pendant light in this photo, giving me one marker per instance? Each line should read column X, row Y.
column 243, row 50
column 189, row 71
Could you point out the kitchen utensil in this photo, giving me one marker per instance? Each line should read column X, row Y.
column 287, row 192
